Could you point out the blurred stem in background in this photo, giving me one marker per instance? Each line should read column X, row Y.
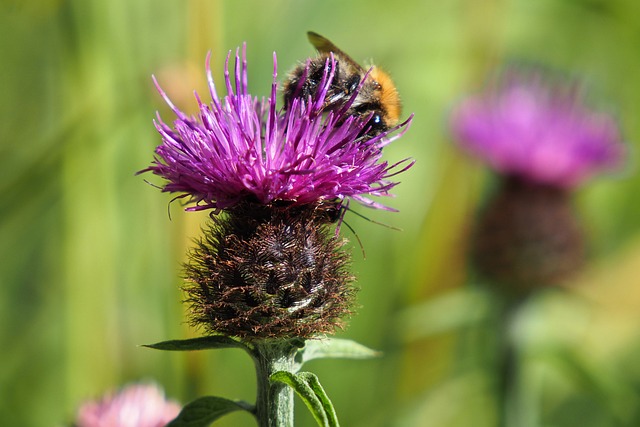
column 510, row 411
column 533, row 127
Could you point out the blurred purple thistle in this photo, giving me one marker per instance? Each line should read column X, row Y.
column 242, row 149
column 537, row 128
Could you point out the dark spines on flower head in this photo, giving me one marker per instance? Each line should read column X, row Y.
column 277, row 275
column 241, row 148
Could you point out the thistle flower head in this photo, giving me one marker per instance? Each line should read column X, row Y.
column 137, row 405
column 530, row 125
column 244, row 149
column 268, row 267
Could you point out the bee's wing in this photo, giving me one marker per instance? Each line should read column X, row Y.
column 325, row 46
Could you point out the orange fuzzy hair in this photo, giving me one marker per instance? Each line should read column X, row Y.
column 389, row 96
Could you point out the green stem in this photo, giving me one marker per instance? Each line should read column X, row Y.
column 507, row 382
column 274, row 401
column 508, row 365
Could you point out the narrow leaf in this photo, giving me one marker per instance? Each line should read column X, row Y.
column 306, row 393
column 205, row 410
column 201, row 343
column 313, row 382
column 335, row 348
column 308, row 388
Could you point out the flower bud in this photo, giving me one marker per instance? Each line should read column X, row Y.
column 269, row 272
column 528, row 236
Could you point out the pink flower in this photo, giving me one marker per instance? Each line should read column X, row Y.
column 138, row 405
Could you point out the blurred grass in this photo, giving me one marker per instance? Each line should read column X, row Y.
column 91, row 262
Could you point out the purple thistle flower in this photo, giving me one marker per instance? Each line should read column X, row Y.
column 528, row 125
column 241, row 149
column 138, row 405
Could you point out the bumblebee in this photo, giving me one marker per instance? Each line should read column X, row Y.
column 377, row 96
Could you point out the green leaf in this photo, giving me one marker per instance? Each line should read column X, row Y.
column 201, row 343
column 308, row 388
column 205, row 410
column 334, row 348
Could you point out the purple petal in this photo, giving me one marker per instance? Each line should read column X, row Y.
column 527, row 125
column 241, row 148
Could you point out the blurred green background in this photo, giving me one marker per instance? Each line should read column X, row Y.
column 90, row 260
